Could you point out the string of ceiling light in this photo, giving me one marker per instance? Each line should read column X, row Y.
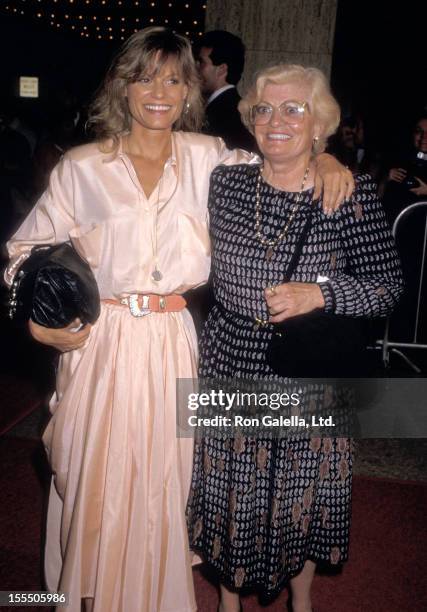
column 113, row 20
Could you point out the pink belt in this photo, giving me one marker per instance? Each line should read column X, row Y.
column 141, row 305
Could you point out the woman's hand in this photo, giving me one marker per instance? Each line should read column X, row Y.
column 421, row 190
column 334, row 179
column 397, row 174
column 292, row 299
column 62, row 339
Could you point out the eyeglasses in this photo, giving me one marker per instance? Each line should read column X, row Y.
column 290, row 111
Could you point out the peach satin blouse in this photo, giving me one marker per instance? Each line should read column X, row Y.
column 95, row 200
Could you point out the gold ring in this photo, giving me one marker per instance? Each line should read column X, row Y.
column 272, row 289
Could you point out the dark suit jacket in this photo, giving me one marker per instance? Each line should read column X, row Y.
column 223, row 119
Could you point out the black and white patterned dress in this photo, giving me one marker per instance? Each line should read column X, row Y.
column 253, row 517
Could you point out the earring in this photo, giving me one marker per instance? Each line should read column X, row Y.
column 186, row 108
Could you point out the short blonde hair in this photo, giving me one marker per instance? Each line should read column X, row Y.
column 109, row 114
column 323, row 105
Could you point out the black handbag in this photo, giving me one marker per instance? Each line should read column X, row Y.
column 317, row 344
column 54, row 286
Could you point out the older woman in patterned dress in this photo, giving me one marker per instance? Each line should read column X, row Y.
column 261, row 521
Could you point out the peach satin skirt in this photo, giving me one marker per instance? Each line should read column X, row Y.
column 116, row 527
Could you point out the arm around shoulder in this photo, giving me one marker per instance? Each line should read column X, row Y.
column 229, row 157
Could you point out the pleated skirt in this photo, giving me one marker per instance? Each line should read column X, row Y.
column 116, row 528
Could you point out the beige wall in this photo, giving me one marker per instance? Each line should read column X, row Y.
column 298, row 31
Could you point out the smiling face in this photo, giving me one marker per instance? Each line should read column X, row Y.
column 156, row 101
column 280, row 139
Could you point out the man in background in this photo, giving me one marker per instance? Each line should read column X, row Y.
column 221, row 59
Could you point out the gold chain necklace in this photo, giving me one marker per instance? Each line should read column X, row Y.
column 270, row 243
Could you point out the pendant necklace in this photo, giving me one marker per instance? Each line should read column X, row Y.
column 271, row 244
column 156, row 275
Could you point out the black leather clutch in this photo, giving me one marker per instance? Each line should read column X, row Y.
column 319, row 345
column 54, row 286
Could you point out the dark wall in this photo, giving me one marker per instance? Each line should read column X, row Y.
column 379, row 64
column 67, row 66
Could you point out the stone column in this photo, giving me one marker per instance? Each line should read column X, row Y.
column 296, row 31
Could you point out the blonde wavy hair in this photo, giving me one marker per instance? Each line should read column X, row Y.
column 322, row 104
column 109, row 114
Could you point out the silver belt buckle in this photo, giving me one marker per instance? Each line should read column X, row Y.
column 135, row 309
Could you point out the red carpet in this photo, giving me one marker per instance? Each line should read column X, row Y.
column 386, row 571
column 27, row 373
column 19, row 398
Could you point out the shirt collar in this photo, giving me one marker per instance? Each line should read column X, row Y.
column 218, row 92
column 117, row 152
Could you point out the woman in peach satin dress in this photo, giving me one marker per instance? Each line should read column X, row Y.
column 134, row 206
